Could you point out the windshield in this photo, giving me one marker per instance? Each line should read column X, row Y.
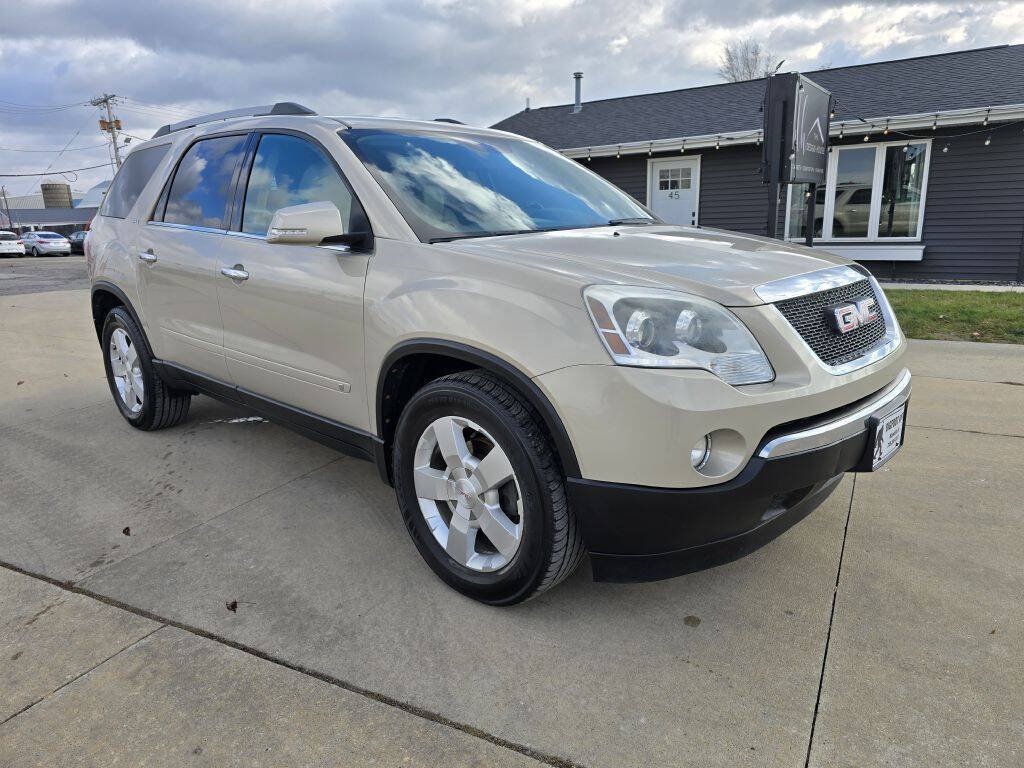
column 449, row 186
column 8, row 236
column 49, row 236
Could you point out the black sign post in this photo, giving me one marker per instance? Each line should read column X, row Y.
column 796, row 123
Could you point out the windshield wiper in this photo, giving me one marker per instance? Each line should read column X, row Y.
column 495, row 233
column 633, row 220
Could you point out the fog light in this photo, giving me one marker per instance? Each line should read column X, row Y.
column 701, row 452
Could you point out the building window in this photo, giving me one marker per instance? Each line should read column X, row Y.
column 874, row 192
column 674, row 178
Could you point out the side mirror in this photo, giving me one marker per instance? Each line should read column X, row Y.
column 307, row 224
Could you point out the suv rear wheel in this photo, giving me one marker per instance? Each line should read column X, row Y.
column 481, row 490
column 141, row 396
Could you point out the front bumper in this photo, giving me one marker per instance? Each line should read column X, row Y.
column 640, row 533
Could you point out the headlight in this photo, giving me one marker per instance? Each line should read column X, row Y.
column 658, row 328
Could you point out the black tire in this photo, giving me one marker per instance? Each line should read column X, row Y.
column 551, row 546
column 161, row 406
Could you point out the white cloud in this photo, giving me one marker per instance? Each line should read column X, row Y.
column 474, row 61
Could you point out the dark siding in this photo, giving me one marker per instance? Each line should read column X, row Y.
column 628, row 173
column 731, row 193
column 974, row 211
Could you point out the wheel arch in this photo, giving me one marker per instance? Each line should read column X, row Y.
column 104, row 297
column 414, row 362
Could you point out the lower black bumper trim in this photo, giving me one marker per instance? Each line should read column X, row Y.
column 666, row 565
column 640, row 533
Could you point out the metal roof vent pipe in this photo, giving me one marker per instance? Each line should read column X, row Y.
column 577, row 105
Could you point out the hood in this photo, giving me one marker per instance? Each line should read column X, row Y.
column 718, row 265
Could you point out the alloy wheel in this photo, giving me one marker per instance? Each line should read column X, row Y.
column 126, row 370
column 468, row 493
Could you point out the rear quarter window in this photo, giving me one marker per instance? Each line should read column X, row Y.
column 203, row 183
column 131, row 179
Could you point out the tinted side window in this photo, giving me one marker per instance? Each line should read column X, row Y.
column 861, row 196
column 201, row 189
column 287, row 171
column 127, row 185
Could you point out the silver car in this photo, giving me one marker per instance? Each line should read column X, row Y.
column 42, row 243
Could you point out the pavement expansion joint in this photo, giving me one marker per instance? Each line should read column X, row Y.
column 412, row 709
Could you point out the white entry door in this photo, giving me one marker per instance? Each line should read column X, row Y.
column 673, row 189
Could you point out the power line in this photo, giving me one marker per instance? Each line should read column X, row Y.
column 42, row 106
column 162, row 107
column 69, row 149
column 53, row 173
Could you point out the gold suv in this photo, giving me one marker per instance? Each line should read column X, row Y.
column 538, row 365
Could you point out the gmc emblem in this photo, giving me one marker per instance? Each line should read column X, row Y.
column 846, row 317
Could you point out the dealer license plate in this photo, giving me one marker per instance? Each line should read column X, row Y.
column 888, row 436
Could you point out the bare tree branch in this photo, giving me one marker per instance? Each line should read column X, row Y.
column 745, row 59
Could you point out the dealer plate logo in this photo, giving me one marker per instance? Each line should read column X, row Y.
column 848, row 316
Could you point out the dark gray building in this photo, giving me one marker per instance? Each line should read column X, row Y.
column 925, row 176
column 62, row 220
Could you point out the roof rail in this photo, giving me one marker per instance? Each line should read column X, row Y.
column 280, row 108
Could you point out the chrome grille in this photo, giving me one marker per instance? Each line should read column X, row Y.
column 807, row 315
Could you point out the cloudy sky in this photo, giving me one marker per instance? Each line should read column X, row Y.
column 475, row 61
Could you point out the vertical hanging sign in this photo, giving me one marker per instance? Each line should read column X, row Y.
column 796, row 123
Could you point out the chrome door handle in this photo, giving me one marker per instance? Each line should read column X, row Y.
column 235, row 273
column 147, row 256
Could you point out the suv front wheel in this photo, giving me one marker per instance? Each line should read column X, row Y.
column 481, row 490
column 144, row 400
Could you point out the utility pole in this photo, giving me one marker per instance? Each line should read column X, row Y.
column 111, row 125
column 7, row 207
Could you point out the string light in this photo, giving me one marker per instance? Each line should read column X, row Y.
column 946, row 148
column 758, row 135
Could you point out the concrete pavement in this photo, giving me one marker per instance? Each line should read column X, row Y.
column 862, row 636
column 44, row 273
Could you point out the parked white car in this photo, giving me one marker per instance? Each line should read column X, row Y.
column 10, row 244
column 44, row 243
